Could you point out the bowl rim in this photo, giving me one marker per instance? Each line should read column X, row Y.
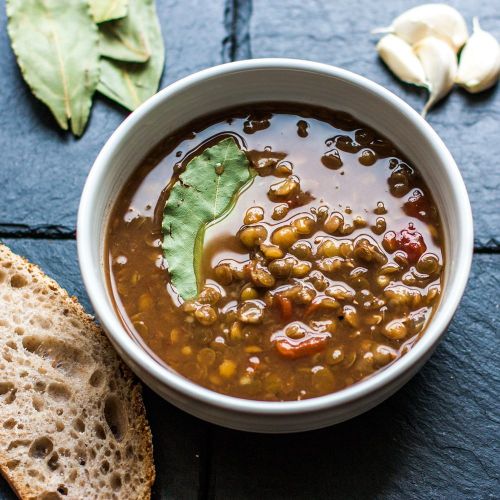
column 178, row 383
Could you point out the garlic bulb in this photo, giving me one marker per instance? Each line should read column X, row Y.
column 440, row 66
column 401, row 59
column 436, row 19
column 479, row 65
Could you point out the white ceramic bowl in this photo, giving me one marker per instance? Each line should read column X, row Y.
column 273, row 80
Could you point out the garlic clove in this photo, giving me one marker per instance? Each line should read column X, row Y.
column 437, row 20
column 440, row 66
column 401, row 60
column 479, row 66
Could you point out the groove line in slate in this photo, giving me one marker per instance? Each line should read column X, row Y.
column 43, row 231
column 236, row 44
column 494, row 248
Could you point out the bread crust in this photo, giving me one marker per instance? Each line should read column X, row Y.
column 94, row 353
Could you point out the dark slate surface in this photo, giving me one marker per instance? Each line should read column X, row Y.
column 338, row 33
column 47, row 166
column 438, row 436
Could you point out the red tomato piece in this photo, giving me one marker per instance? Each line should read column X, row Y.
column 411, row 242
column 303, row 347
column 311, row 309
column 286, row 307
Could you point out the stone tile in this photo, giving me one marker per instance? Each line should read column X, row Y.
column 43, row 169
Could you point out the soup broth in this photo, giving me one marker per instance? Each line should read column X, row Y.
column 326, row 269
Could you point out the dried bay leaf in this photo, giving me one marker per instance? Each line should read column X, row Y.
column 107, row 10
column 130, row 84
column 203, row 194
column 130, row 39
column 57, row 51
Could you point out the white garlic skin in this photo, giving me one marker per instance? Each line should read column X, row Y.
column 479, row 66
column 434, row 19
column 440, row 66
column 401, row 60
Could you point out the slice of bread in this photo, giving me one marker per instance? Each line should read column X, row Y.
column 72, row 421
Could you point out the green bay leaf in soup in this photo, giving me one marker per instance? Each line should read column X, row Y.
column 130, row 84
column 107, row 10
column 57, row 51
column 132, row 38
column 203, row 193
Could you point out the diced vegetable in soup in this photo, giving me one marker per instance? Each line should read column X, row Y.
column 275, row 252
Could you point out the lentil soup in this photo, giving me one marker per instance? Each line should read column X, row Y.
column 326, row 269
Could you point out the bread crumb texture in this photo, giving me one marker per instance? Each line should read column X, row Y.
column 72, row 421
